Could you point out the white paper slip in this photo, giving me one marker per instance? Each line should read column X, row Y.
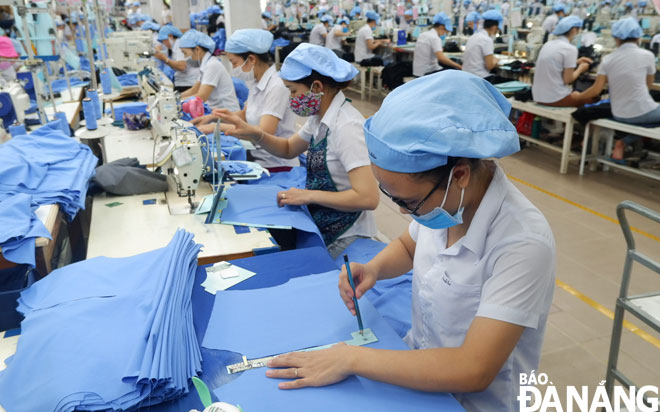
column 224, row 275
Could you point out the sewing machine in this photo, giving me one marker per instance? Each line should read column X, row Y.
column 152, row 81
column 130, row 50
column 531, row 47
column 14, row 101
column 163, row 110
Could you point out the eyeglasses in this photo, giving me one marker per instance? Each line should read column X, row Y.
column 401, row 203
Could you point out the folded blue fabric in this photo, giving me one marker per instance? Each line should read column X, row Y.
column 128, row 79
column 20, row 227
column 48, row 165
column 59, row 85
column 237, row 168
column 119, row 334
column 296, row 177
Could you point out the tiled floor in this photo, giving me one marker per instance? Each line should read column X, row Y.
column 590, row 256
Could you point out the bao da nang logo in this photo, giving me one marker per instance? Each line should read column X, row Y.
column 583, row 398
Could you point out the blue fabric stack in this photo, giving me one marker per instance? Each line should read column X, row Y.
column 128, row 79
column 60, row 85
column 49, row 166
column 107, row 333
column 20, row 227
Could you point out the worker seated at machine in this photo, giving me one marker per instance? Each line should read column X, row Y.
column 185, row 76
column 428, row 50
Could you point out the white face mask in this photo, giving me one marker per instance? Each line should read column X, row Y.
column 247, row 77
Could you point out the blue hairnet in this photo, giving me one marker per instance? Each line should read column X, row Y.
column 249, row 40
column 356, row 10
column 473, row 16
column 372, row 15
column 629, row 4
column 215, row 9
column 142, row 17
column 344, row 20
column 136, row 4
column 557, row 7
column 307, row 57
column 642, row 3
column 442, row 18
column 495, row 16
column 326, row 19
column 266, row 15
column 193, row 38
column 627, row 28
column 566, row 24
column 150, row 25
column 448, row 114
column 166, row 30
column 408, row 12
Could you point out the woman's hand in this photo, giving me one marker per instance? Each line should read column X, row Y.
column 203, row 119
column 314, row 368
column 241, row 128
column 363, row 276
column 294, row 197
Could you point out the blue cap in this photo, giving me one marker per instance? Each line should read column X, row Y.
column 473, row 16
column 307, row 57
column 557, row 7
column 136, row 4
column 408, row 12
column 356, row 10
column 150, row 25
column 326, row 19
column 448, row 114
column 442, row 18
column 642, row 3
column 249, row 41
column 344, row 20
column 267, row 15
column 166, row 30
column 495, row 16
column 629, row 4
column 627, row 28
column 467, row 3
column 193, row 38
column 143, row 17
column 566, row 24
column 215, row 9
column 372, row 15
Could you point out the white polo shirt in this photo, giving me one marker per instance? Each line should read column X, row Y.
column 503, row 269
column 478, row 46
column 186, row 77
column 424, row 58
column 626, row 69
column 213, row 73
column 271, row 97
column 362, row 52
column 346, row 150
column 333, row 42
column 550, row 23
column 555, row 56
column 316, row 36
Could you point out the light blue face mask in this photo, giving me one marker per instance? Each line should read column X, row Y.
column 443, row 37
column 439, row 218
column 344, row 29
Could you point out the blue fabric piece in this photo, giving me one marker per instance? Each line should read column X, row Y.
column 249, row 40
column 307, row 57
column 130, row 108
column 20, row 227
column 241, row 90
column 143, row 349
column 59, row 85
column 236, row 168
column 451, row 113
column 49, row 166
column 279, row 42
column 274, row 328
column 627, row 28
column 220, row 38
column 296, row 177
column 128, row 79
column 257, row 204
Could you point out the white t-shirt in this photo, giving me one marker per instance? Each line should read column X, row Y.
column 502, row 269
column 213, row 73
column 424, row 58
column 550, row 23
column 271, row 97
column 333, row 42
column 316, row 36
column 626, row 69
column 186, row 77
column 478, row 46
column 362, row 52
column 555, row 56
column 346, row 150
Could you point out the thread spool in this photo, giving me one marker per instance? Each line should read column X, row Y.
column 63, row 123
column 17, row 130
column 94, row 95
column 106, row 81
column 90, row 114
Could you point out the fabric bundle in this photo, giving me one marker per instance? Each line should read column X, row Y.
column 20, row 227
column 107, row 333
column 128, row 79
column 49, row 166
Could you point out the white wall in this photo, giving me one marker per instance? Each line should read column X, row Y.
column 242, row 14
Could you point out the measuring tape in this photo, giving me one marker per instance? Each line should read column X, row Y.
column 360, row 338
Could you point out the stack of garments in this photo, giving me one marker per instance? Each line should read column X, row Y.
column 48, row 165
column 20, row 227
column 107, row 333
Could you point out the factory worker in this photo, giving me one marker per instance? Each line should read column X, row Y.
column 134, row 8
column 267, row 21
column 185, row 76
column 629, row 70
column 471, row 22
column 482, row 255
column 407, row 23
column 365, row 43
column 550, row 22
column 505, row 6
column 267, row 106
column 355, row 13
column 320, row 31
column 333, row 41
column 340, row 191
column 428, row 48
column 153, row 28
column 556, row 67
column 479, row 56
column 214, row 85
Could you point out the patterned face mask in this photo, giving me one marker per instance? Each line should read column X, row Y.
column 307, row 104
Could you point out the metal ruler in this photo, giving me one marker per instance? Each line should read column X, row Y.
column 359, row 338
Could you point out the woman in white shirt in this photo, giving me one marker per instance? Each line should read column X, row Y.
column 629, row 70
column 482, row 255
column 428, row 48
column 333, row 41
column 320, row 31
column 340, row 191
column 214, row 86
column 267, row 106
column 185, row 76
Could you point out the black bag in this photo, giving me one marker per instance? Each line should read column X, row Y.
column 394, row 73
column 371, row 62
